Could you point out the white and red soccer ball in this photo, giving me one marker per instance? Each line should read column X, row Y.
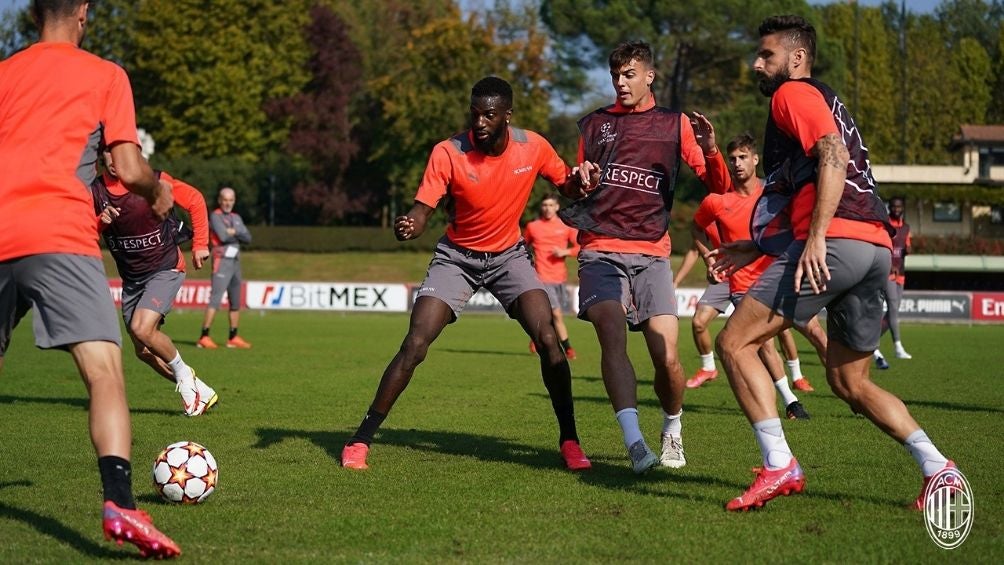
column 185, row 472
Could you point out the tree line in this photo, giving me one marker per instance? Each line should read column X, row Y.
column 323, row 112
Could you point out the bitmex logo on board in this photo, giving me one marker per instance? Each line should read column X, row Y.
column 328, row 296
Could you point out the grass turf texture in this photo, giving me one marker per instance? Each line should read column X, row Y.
column 466, row 467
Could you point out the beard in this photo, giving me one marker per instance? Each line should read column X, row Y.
column 488, row 143
column 769, row 85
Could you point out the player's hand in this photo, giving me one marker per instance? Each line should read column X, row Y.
column 231, row 231
column 559, row 252
column 109, row 214
column 812, row 265
column 731, row 257
column 199, row 257
column 404, row 228
column 163, row 200
column 589, row 176
column 704, row 132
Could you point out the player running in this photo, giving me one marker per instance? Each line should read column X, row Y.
column 488, row 171
column 152, row 268
column 821, row 212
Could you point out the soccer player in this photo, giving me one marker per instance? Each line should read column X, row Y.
column 488, row 171
column 57, row 104
column 834, row 244
column 629, row 153
column 897, row 278
column 152, row 268
column 743, row 160
column 729, row 214
column 713, row 302
column 551, row 241
column 227, row 234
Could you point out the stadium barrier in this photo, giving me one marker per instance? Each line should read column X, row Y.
column 921, row 306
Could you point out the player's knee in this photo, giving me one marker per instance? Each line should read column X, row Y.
column 141, row 332
column 414, row 349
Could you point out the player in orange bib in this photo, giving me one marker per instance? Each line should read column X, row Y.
column 488, row 171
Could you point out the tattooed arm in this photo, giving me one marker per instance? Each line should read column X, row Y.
column 833, row 157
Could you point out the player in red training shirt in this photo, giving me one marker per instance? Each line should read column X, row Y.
column 152, row 268
column 551, row 241
column 820, row 214
column 728, row 214
column 488, row 171
column 58, row 103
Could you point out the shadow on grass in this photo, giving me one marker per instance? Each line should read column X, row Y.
column 611, row 475
column 55, row 529
column 486, row 352
column 953, row 407
column 76, row 402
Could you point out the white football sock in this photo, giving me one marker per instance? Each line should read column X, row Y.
column 795, row 368
column 628, row 420
column 773, row 448
column 877, row 354
column 182, row 372
column 927, row 456
column 671, row 424
column 708, row 362
column 786, row 394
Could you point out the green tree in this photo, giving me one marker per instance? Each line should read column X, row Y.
column 971, row 71
column 995, row 113
column 201, row 77
column 869, row 90
column 698, row 46
column 932, row 116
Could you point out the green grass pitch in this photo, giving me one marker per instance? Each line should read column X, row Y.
column 466, row 469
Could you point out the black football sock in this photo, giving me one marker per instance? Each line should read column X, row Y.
column 566, row 344
column 205, row 332
column 233, row 333
column 368, row 428
column 116, row 480
column 558, row 381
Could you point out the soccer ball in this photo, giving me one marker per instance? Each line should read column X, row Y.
column 185, row 472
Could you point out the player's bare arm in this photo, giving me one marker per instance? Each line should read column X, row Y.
column 732, row 256
column 703, row 245
column 833, row 157
column 412, row 224
column 704, row 132
column 689, row 259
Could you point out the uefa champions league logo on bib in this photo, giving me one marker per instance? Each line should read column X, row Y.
column 948, row 508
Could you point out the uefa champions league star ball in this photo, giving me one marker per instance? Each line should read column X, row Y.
column 185, row 472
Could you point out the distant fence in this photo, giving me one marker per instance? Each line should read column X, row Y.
column 922, row 306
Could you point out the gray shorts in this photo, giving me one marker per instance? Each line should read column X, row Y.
column 557, row 295
column 456, row 273
column 716, row 296
column 853, row 295
column 155, row 292
column 643, row 284
column 70, row 296
column 226, row 277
